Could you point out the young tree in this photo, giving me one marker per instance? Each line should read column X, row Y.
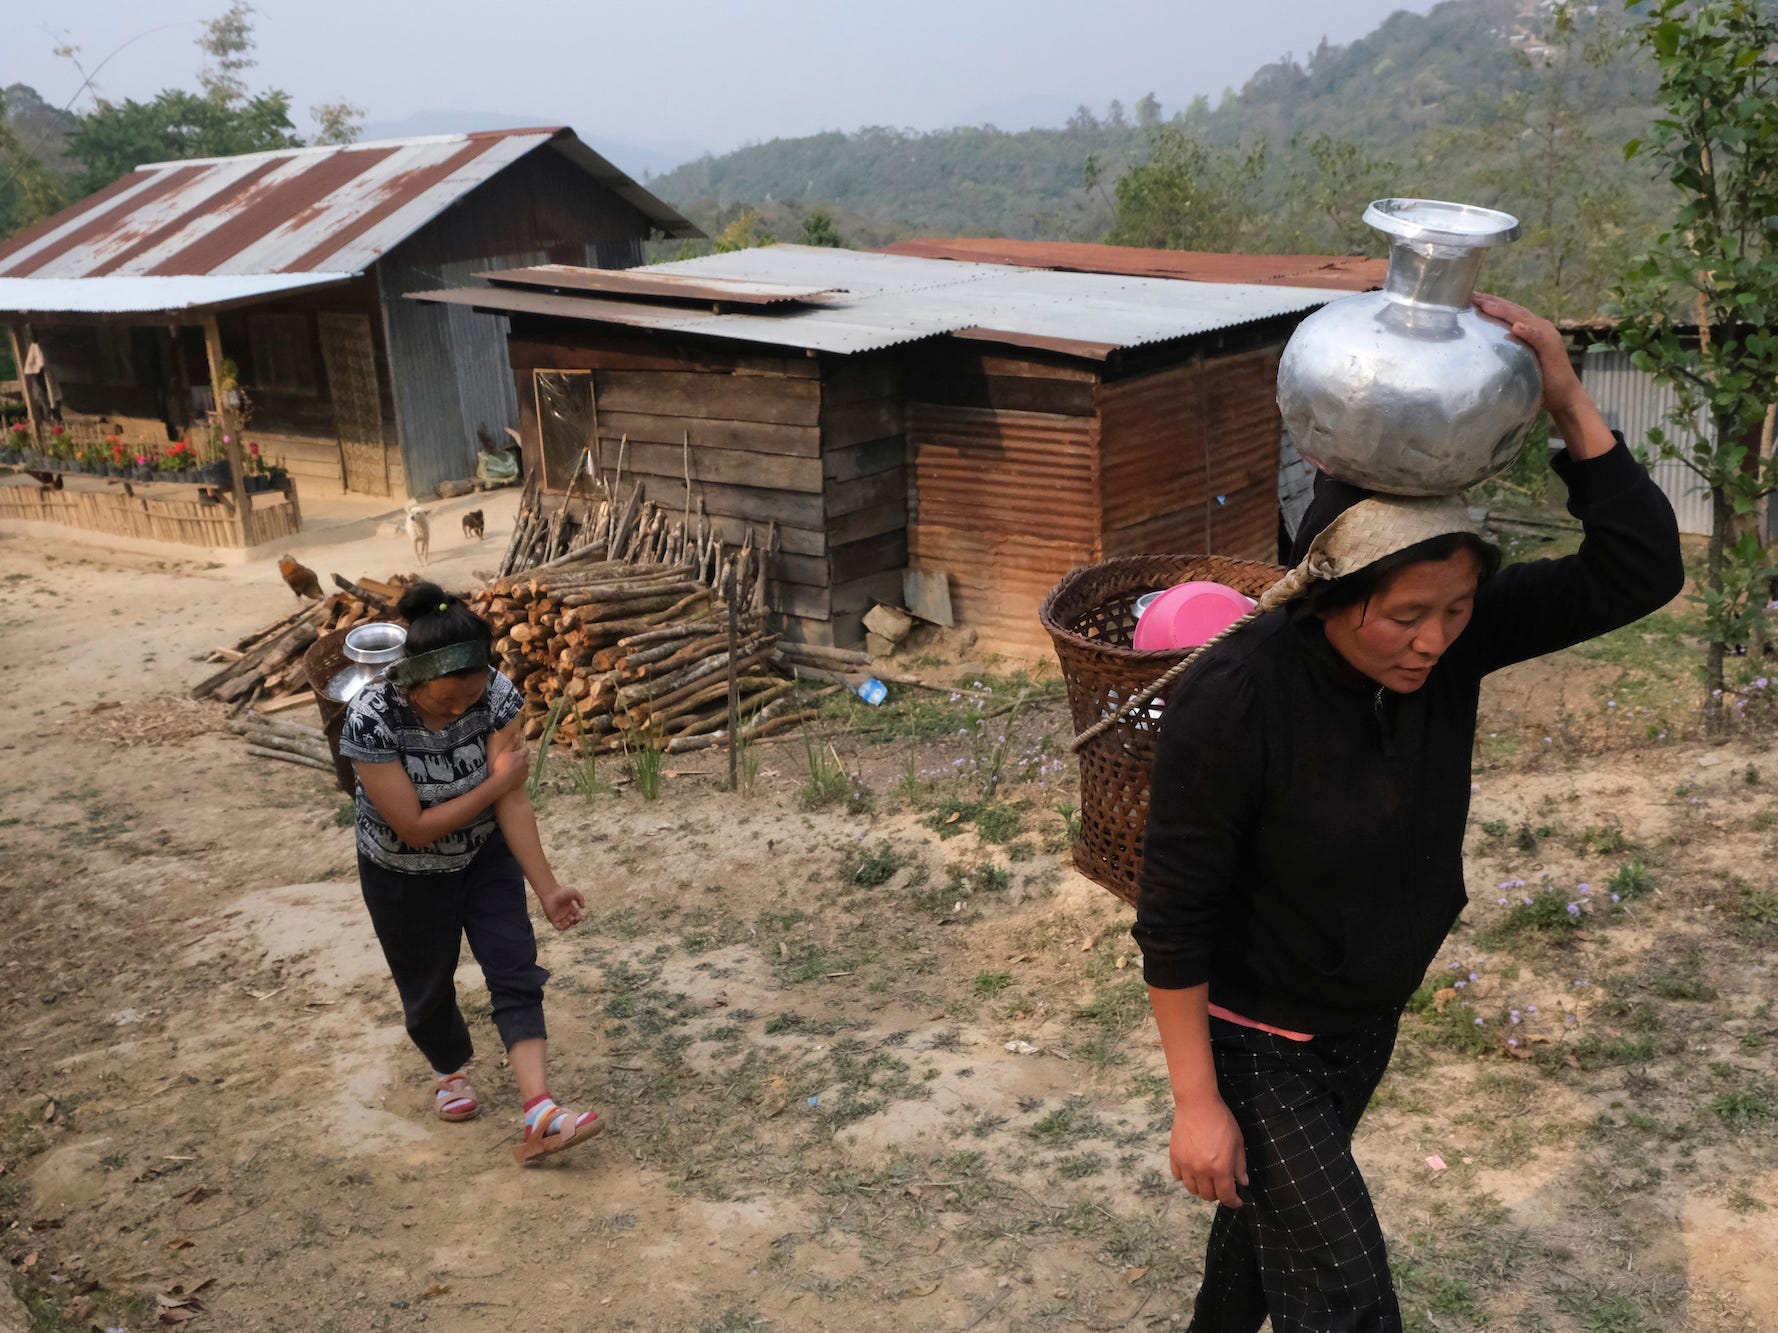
column 1331, row 182
column 819, row 229
column 337, row 122
column 228, row 41
column 1188, row 196
column 744, row 232
column 1716, row 267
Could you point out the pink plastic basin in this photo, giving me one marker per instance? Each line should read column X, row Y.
column 1188, row 615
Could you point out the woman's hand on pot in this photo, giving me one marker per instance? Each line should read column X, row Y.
column 1561, row 386
column 1206, row 1153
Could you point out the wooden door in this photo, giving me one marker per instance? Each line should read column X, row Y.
column 351, row 358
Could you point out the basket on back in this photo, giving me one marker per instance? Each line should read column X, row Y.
column 1091, row 617
column 324, row 660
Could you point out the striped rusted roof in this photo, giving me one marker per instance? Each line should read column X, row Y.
column 1347, row 273
column 305, row 210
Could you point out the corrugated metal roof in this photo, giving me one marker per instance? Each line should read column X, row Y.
column 1338, row 272
column 138, row 295
column 306, row 210
column 671, row 286
column 885, row 300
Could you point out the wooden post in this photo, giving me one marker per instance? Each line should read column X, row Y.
column 734, row 693
column 18, row 361
column 236, row 471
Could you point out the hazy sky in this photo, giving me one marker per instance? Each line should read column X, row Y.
column 702, row 73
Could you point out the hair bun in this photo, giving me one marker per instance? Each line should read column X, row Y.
column 423, row 599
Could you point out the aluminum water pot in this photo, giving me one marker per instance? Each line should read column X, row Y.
column 1409, row 390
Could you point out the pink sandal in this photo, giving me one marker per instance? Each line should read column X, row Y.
column 554, row 1130
column 456, row 1099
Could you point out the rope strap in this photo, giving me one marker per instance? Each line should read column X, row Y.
column 1284, row 590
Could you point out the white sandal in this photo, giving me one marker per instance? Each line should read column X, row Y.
column 456, row 1099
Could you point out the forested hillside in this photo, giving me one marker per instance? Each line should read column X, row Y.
column 1520, row 104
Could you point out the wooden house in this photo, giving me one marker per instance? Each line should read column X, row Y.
column 290, row 266
column 995, row 424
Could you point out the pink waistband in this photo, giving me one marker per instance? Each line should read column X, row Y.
column 1217, row 1011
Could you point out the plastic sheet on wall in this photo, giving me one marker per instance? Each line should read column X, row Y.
column 564, row 421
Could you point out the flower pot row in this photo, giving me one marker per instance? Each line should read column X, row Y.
column 209, row 474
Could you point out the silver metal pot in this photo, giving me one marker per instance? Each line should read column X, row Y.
column 348, row 681
column 1409, row 390
column 380, row 641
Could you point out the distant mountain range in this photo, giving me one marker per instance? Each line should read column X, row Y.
column 648, row 158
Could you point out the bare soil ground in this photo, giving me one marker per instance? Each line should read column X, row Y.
column 879, row 1063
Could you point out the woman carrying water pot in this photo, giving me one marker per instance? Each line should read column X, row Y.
column 1304, row 853
column 446, row 840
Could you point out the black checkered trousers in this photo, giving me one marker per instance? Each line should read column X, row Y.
column 1305, row 1246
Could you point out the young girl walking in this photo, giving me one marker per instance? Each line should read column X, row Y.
column 446, row 840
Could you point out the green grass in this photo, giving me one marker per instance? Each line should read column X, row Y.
column 991, row 983
column 826, row 782
column 872, row 867
column 1068, row 1124
column 1631, row 881
column 1746, row 1108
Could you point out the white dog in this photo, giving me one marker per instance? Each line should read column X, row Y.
column 419, row 527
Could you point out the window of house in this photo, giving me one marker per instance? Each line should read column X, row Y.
column 283, row 353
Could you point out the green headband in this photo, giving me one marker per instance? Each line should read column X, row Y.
column 453, row 657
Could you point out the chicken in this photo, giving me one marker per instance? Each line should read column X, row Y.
column 300, row 577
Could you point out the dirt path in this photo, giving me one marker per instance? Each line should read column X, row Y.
column 799, row 1022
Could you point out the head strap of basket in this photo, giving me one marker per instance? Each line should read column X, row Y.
column 1359, row 537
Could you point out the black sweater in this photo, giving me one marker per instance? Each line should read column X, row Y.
column 1304, row 852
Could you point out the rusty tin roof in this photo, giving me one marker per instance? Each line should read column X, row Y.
column 1346, row 273
column 306, row 210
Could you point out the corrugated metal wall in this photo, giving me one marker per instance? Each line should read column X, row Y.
column 1006, row 503
column 448, row 363
column 1189, row 459
column 1635, row 402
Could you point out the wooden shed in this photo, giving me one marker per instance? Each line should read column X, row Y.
column 291, row 265
column 993, row 424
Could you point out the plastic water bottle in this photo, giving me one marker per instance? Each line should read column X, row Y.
column 872, row 691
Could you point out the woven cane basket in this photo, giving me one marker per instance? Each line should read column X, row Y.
column 324, row 660
column 1091, row 616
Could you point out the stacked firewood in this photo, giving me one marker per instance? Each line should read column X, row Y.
column 630, row 655
column 265, row 669
column 596, row 520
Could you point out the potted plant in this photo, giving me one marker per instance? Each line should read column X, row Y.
column 142, row 468
column 278, row 477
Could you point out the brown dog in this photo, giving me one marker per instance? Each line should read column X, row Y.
column 472, row 524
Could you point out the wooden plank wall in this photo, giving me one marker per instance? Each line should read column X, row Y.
column 755, row 427
column 1189, row 458
column 865, row 485
column 1006, row 486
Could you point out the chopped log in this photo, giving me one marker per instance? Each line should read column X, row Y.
column 817, row 655
column 363, row 594
column 303, row 761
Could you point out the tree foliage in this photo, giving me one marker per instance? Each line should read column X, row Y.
column 118, row 137
column 1188, row 195
column 29, row 189
column 1699, row 308
column 819, row 229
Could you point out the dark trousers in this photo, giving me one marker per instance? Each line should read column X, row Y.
column 421, row 920
column 1305, row 1246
